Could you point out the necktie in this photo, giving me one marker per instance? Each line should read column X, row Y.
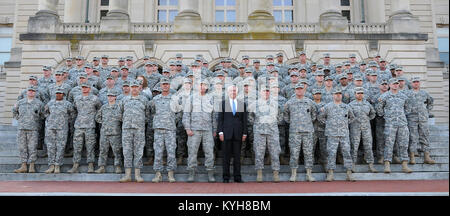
column 234, row 108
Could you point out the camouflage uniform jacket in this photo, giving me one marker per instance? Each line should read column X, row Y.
column 301, row 113
column 199, row 113
column 265, row 115
column 336, row 118
column 57, row 114
column 364, row 112
column 135, row 112
column 110, row 118
column 28, row 113
column 87, row 107
column 420, row 104
column 164, row 111
column 393, row 107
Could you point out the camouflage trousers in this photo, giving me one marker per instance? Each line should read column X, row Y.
column 419, row 132
column 181, row 142
column 298, row 141
column 320, row 140
column 133, row 143
column 396, row 133
column 379, row 135
column 165, row 139
column 55, row 140
column 28, row 141
column 356, row 133
column 113, row 141
column 333, row 142
column 282, row 138
column 260, row 142
column 87, row 136
column 246, row 148
column 149, row 135
column 193, row 143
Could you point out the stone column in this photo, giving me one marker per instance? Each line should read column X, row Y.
column 375, row 11
column 300, row 11
column 188, row 19
column 117, row 20
column 261, row 19
column 331, row 19
column 74, row 11
column 46, row 19
column 401, row 19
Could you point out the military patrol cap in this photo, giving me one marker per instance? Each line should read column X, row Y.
column 219, row 73
column 59, row 91
column 319, row 67
column 343, row 76
column 320, row 73
column 337, row 90
column 359, row 90
column 326, row 55
column 96, row 58
column 156, row 89
column 32, row 77
column 328, row 78
column 204, row 81
column 165, row 70
column 172, row 63
column 392, row 67
column 195, row 64
column 148, row 63
column 316, row 91
column 69, row 59
column 393, row 80
column 245, row 57
column 178, row 55
column 373, row 64
column 190, row 73
column 241, row 66
column 179, row 63
column 58, row 72
column 269, row 57
column 198, row 58
column 109, row 77
column 349, row 72
column 65, row 71
column 164, row 81
column 264, row 88
column 31, row 88
column 301, row 53
column 362, row 62
column 293, row 74
column 304, row 81
column 415, row 79
column 146, row 57
column 398, row 68
column 121, row 59
column 88, row 66
column 382, row 60
column 228, row 60
column 134, row 83
column 401, row 79
column 339, row 65
column 358, row 78
column 299, row 85
column 346, row 63
column 114, row 69
column 384, row 81
column 79, row 58
column 256, row 61
column 274, row 70
column 126, row 83
column 270, row 64
column 82, row 75
column 129, row 58
column 302, row 68
column 112, row 92
column 95, row 69
column 124, row 67
column 105, row 56
column 280, row 54
column 187, row 80
column 46, row 68
column 352, row 55
column 248, row 70
column 85, row 85
column 314, row 64
column 371, row 72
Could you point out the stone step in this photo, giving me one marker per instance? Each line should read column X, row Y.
column 439, row 138
column 439, row 151
column 204, row 177
column 8, row 128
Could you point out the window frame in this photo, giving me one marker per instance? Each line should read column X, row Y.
column 283, row 8
column 166, row 8
column 443, row 35
column 10, row 36
column 347, row 8
column 225, row 8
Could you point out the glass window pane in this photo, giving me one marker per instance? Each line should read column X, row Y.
column 173, row 2
column 104, row 3
column 220, row 16
column 4, row 57
column 231, row 2
column 345, row 2
column 443, row 57
column 5, row 44
column 278, row 16
column 162, row 2
column 288, row 16
column 443, row 44
column 442, row 31
column 162, row 16
column 287, row 2
column 220, row 2
column 277, row 3
column 6, row 30
column 172, row 15
column 346, row 13
column 231, row 16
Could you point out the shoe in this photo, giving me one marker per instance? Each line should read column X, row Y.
column 31, row 169
column 387, row 167
column 127, row 177
column 380, row 160
column 276, row 176
column 118, row 170
column 309, row 176
column 350, row 176
column 211, row 178
column 330, row 176
column 412, row 158
column 427, row 159
column 372, row 168
column 74, row 168
column 171, row 177
column 137, row 176
column 91, row 168
column 157, row 178
column 57, row 169
column 405, row 167
column 238, row 180
column 22, row 169
column 101, row 169
column 293, row 175
column 50, row 169
column 191, row 177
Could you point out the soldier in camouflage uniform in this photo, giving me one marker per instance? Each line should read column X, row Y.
column 57, row 113
column 164, row 108
column 421, row 104
column 86, row 106
column 360, row 128
column 336, row 116
column 393, row 105
column 319, row 138
column 299, row 113
column 135, row 113
column 51, row 89
column 28, row 112
column 282, row 126
column 200, row 122
column 265, row 132
column 183, row 95
column 151, row 74
column 109, row 116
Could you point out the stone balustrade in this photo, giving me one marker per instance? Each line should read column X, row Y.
column 296, row 28
column 81, row 28
column 225, row 28
column 369, row 28
column 152, row 28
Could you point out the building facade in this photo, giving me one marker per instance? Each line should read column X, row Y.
column 410, row 33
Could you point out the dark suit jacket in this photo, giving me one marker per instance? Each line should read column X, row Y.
column 233, row 127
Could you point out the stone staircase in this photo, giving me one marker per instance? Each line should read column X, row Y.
column 439, row 139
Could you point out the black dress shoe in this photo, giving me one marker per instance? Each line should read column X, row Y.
column 238, row 181
column 226, row 181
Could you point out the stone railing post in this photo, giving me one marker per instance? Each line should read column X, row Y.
column 117, row 20
column 261, row 18
column 401, row 19
column 188, row 19
column 331, row 19
column 46, row 19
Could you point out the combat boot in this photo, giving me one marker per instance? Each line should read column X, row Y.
column 91, row 168
column 405, row 167
column 179, row 160
column 396, row 160
column 158, row 177
column 74, row 168
column 380, row 160
column 412, row 158
column 57, row 169
column 293, row 175
column 149, row 162
column 22, row 169
column 101, row 169
column 309, row 176
column 127, row 177
column 427, row 159
column 349, row 176
column 372, row 168
column 171, row 177
column 330, row 176
column 211, row 178
column 118, row 170
column 259, row 176
column 31, row 168
column 137, row 176
column 191, row 177
column 276, row 176
column 50, row 169
column 387, row 167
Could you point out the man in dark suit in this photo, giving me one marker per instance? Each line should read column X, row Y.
column 232, row 128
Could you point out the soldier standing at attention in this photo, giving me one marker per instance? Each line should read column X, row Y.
column 319, row 129
column 299, row 113
column 336, row 116
column 393, row 105
column 164, row 108
column 86, row 106
column 360, row 128
column 110, row 118
column 57, row 113
column 135, row 113
column 28, row 112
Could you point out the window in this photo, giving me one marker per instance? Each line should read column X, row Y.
column 283, row 11
column 345, row 9
column 5, row 43
column 345, row 2
column 225, row 10
column 104, row 3
column 167, row 11
column 443, row 43
column 104, row 8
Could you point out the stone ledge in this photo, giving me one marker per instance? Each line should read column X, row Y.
column 13, row 64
